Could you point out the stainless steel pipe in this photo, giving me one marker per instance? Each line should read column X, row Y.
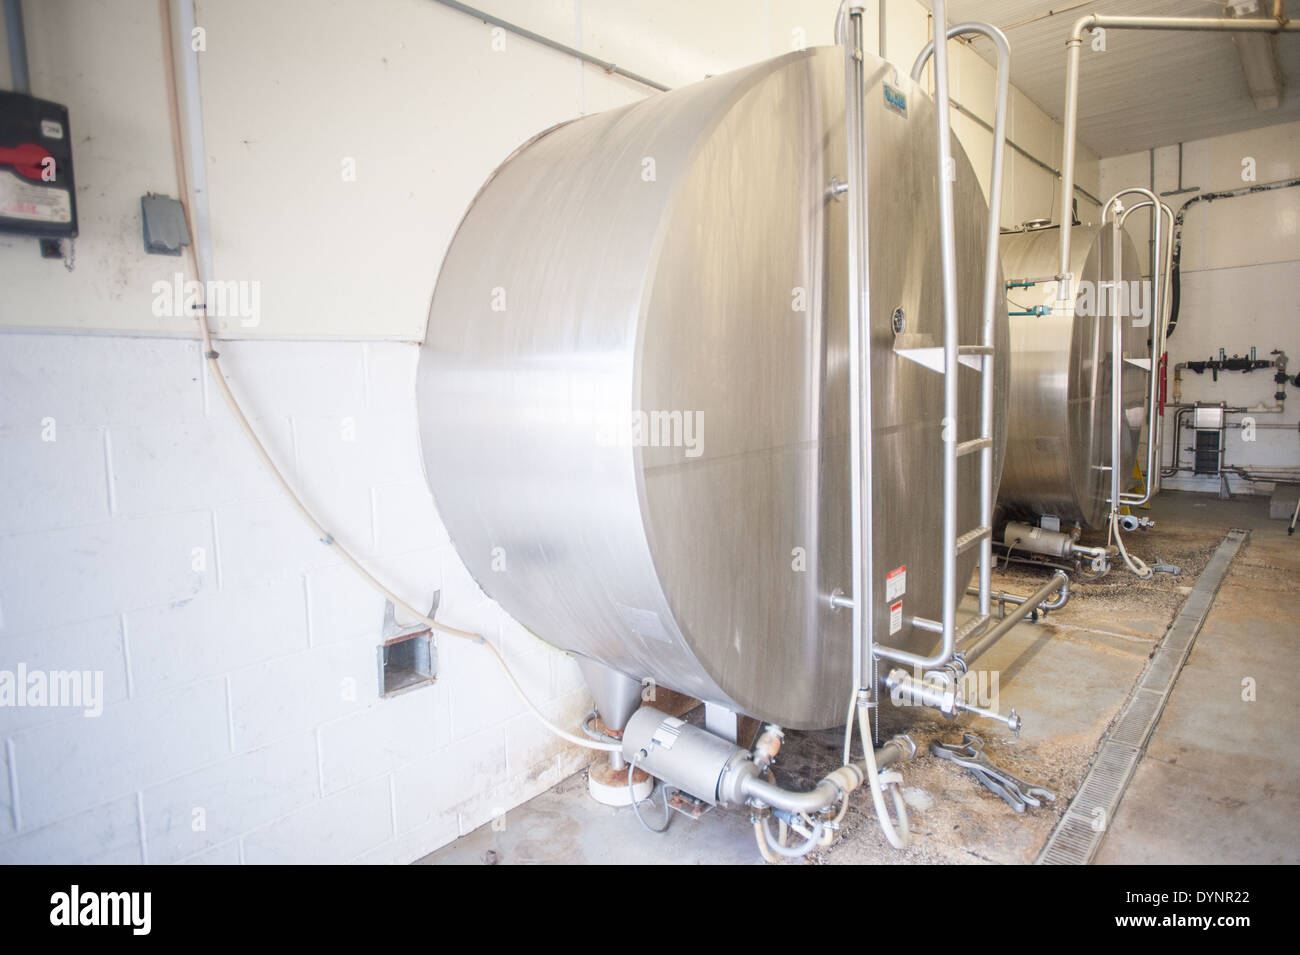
column 826, row 792
column 848, row 33
column 18, row 70
column 1070, row 123
column 1058, row 581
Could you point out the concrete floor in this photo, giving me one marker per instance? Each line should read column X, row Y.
column 1220, row 782
column 1194, row 798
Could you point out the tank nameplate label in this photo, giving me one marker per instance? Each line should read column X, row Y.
column 896, row 99
column 895, row 617
column 896, row 583
column 644, row 623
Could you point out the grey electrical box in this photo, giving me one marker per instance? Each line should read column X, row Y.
column 165, row 232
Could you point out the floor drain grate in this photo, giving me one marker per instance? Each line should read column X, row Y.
column 1079, row 832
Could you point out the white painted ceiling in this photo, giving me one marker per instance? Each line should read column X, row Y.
column 1149, row 88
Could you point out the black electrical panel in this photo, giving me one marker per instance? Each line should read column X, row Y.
column 38, row 195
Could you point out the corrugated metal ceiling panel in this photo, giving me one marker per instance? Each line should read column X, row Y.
column 1148, row 88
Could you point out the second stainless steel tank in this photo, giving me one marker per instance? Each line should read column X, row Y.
column 1058, row 418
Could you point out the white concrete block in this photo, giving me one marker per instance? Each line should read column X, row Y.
column 413, row 844
column 66, row 766
column 195, row 464
column 357, row 449
column 377, row 740
column 327, row 832
column 529, row 743
column 58, row 577
column 481, row 696
column 292, row 694
column 214, row 633
column 216, row 804
column 343, row 606
column 80, row 380
column 430, row 788
column 405, row 518
column 7, row 821
column 93, row 646
column 390, row 376
column 268, row 540
column 225, row 854
column 492, row 805
column 105, row 835
column 51, row 483
column 275, row 379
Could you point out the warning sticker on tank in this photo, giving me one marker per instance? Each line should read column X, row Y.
column 896, row 583
column 895, row 617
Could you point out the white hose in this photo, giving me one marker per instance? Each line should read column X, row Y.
column 899, row 835
column 1135, row 564
column 219, row 378
column 796, row 852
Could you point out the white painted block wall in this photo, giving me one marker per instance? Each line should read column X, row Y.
column 1240, row 279
column 226, row 688
column 224, row 680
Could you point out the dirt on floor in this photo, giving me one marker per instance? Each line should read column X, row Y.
column 953, row 817
column 1173, row 543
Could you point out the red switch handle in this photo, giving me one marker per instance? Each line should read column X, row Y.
column 27, row 159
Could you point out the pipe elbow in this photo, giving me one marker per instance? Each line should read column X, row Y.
column 1086, row 22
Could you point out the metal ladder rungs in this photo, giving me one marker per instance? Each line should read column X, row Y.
column 971, row 538
column 975, row 444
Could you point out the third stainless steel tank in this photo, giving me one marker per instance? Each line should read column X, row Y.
column 1058, row 419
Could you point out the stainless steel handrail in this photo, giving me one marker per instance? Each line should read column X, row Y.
column 952, row 345
column 1118, row 497
column 1159, row 332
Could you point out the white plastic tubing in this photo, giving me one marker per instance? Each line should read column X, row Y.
column 193, row 177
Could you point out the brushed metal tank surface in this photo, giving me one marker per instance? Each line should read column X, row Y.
column 1058, row 418
column 633, row 391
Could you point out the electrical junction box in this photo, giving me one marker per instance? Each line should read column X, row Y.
column 38, row 195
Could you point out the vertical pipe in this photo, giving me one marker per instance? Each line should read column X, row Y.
column 1065, row 281
column 1116, row 365
column 951, row 329
column 991, row 268
column 18, row 70
column 880, row 43
column 198, row 166
column 849, row 33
